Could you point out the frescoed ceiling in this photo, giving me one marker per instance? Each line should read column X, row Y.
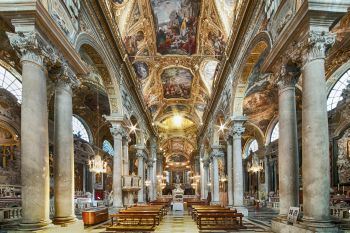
column 175, row 47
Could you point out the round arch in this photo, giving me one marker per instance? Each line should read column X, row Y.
column 260, row 44
column 112, row 87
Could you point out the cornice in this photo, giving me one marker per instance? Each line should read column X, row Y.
column 22, row 10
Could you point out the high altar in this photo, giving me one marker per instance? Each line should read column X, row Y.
column 178, row 198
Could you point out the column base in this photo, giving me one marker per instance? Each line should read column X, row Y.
column 76, row 226
column 64, row 220
column 280, row 225
column 35, row 226
column 241, row 209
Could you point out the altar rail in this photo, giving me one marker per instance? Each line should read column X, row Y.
column 10, row 214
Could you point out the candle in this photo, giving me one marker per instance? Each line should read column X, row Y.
column 343, row 189
column 338, row 186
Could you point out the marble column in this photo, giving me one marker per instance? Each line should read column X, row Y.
column 215, row 156
column 206, row 165
column 229, row 172
column 34, row 132
column 64, row 148
column 126, row 156
column 154, row 170
column 288, row 158
column 140, row 170
column 267, row 175
column 315, row 167
column 202, row 178
column 238, row 191
column 150, row 178
column 159, row 175
column 117, row 132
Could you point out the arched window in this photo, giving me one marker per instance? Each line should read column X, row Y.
column 107, row 147
column 11, row 83
column 79, row 130
column 253, row 146
column 335, row 95
column 275, row 132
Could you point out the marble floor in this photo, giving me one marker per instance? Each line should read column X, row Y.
column 177, row 222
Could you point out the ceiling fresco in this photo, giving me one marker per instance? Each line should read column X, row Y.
column 176, row 24
column 177, row 83
column 175, row 48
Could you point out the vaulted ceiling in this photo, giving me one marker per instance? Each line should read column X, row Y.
column 175, row 47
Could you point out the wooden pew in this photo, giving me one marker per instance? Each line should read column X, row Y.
column 219, row 221
column 134, row 222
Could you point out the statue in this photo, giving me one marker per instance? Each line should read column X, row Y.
column 177, row 179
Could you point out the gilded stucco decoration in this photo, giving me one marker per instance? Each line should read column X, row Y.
column 175, row 48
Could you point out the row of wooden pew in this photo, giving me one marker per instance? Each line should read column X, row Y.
column 216, row 218
column 139, row 218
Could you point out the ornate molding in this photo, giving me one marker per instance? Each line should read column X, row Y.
column 30, row 46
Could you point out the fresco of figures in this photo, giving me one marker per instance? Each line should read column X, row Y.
column 133, row 43
column 176, row 24
column 141, row 70
column 177, row 83
column 218, row 43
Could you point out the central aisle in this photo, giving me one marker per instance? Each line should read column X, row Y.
column 177, row 222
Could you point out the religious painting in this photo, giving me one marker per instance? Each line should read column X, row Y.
column 176, row 24
column 153, row 109
column 177, row 177
column 177, row 158
column 218, row 42
column 141, row 70
column 177, row 83
column 133, row 43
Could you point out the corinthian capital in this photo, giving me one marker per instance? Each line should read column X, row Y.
column 317, row 44
column 238, row 128
column 288, row 76
column 64, row 76
column 30, row 46
column 140, row 154
column 117, row 131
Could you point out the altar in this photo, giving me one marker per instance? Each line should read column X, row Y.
column 178, row 199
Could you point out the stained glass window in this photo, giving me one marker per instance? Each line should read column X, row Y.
column 335, row 95
column 107, row 147
column 79, row 130
column 11, row 83
column 275, row 132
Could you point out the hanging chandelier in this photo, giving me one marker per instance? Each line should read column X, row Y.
column 97, row 165
column 256, row 165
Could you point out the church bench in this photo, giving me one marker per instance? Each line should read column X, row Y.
column 132, row 212
column 213, row 211
column 207, row 208
column 133, row 222
column 219, row 221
